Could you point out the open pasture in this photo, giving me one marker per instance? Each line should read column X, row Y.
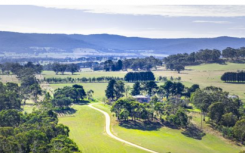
column 204, row 75
column 165, row 139
column 87, row 129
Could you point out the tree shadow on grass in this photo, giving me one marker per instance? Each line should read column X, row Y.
column 82, row 102
column 193, row 132
column 141, row 125
column 67, row 111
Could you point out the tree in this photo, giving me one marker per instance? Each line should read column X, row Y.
column 150, row 87
column 35, row 91
column 80, row 92
column 10, row 118
column 63, row 144
column 110, row 91
column 229, row 119
column 167, row 86
column 178, row 119
column 73, row 68
column 119, row 89
column 136, row 89
column 179, row 68
column 90, row 94
column 239, row 131
column 61, row 101
column 216, row 110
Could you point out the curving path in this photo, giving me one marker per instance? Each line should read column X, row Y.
column 108, row 131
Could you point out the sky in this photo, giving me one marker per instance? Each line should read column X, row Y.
column 150, row 21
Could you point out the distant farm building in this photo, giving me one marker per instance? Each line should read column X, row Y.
column 142, row 99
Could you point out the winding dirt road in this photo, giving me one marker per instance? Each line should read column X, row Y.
column 108, row 131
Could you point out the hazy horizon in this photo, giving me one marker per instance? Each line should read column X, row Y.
column 165, row 21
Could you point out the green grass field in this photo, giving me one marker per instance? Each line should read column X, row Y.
column 87, row 129
column 171, row 140
column 204, row 75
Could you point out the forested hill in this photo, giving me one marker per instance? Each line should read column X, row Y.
column 23, row 42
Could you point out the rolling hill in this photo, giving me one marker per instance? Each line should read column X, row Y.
column 33, row 42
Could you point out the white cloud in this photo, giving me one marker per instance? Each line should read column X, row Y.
column 215, row 22
column 238, row 28
column 163, row 10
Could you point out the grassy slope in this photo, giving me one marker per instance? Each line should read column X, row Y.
column 87, row 130
column 171, row 140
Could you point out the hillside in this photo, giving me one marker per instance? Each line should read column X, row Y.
column 29, row 43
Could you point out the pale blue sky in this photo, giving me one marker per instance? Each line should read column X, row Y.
column 142, row 21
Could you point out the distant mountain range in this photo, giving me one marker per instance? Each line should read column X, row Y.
column 32, row 43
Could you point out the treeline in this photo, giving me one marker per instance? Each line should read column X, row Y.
column 233, row 76
column 62, row 68
column 117, row 89
column 145, row 64
column 204, row 56
column 81, row 80
column 139, row 76
column 226, row 113
column 232, row 53
column 136, row 64
column 18, row 69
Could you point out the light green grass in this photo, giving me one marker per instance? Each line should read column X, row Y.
column 171, row 140
column 87, row 129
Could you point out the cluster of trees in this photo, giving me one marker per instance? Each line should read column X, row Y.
column 10, row 96
column 129, row 108
column 168, row 89
column 18, row 69
column 109, row 65
column 225, row 112
column 145, row 64
column 29, row 87
column 233, row 76
column 62, row 68
column 116, row 89
column 139, row 76
column 232, row 53
column 64, row 97
column 177, row 62
column 81, row 80
column 38, row 131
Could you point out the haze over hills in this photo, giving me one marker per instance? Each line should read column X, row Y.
column 32, row 43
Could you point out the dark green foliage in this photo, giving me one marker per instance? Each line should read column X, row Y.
column 178, row 119
column 150, row 87
column 115, row 90
column 10, row 97
column 136, row 89
column 35, row 132
column 178, row 61
column 139, row 76
column 62, row 68
column 233, row 77
column 239, row 131
column 63, row 97
column 179, row 68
